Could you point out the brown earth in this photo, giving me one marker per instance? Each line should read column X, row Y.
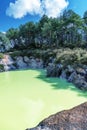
column 73, row 119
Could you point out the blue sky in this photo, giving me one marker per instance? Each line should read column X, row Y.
column 16, row 12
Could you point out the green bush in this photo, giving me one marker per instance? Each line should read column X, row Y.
column 17, row 53
column 64, row 56
column 1, row 67
column 1, row 55
column 71, row 56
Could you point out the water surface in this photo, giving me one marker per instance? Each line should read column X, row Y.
column 27, row 97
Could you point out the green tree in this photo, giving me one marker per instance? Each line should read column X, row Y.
column 12, row 33
column 85, row 17
column 27, row 31
column 71, row 27
column 4, row 42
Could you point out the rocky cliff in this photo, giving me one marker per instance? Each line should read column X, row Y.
column 76, row 74
column 8, row 63
column 73, row 119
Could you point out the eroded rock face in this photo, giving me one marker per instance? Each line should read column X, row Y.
column 73, row 119
column 77, row 76
column 73, row 77
column 51, row 70
column 20, row 63
column 7, row 62
column 26, row 59
column 35, row 63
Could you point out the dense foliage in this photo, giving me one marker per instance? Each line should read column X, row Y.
column 69, row 30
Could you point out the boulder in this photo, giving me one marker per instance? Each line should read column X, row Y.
column 81, row 71
column 39, row 63
column 58, row 70
column 7, row 60
column 80, row 82
column 7, row 68
column 20, row 63
column 73, row 119
column 70, row 69
column 63, row 75
column 51, row 70
column 54, row 70
column 33, row 63
column 26, row 59
column 86, row 76
column 72, row 77
column 12, row 67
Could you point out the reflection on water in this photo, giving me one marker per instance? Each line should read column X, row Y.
column 27, row 97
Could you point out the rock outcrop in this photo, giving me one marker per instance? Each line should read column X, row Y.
column 76, row 75
column 20, row 63
column 8, row 63
column 73, row 119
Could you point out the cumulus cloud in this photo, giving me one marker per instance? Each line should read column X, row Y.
column 22, row 7
column 52, row 8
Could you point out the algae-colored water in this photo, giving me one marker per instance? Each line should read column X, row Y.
column 27, row 97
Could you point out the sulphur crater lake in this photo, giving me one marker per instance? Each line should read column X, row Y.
column 27, row 97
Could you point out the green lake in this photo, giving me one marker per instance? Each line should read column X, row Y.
column 27, row 97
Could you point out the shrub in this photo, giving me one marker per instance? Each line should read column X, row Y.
column 1, row 55
column 17, row 53
column 1, row 67
column 71, row 56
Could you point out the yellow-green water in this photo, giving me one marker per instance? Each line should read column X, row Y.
column 27, row 97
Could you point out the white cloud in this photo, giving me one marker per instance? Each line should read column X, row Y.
column 22, row 7
column 52, row 8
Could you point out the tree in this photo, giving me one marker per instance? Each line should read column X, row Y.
column 72, row 27
column 27, row 32
column 85, row 17
column 4, row 43
column 68, row 30
column 12, row 33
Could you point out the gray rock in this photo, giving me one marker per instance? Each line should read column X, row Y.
column 26, row 59
column 51, row 70
column 33, row 63
column 7, row 60
column 12, row 67
column 39, row 63
column 70, row 68
column 72, row 77
column 80, row 82
column 81, row 71
column 63, row 75
column 20, row 63
column 6, row 68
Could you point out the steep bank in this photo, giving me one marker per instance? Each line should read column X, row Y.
column 73, row 119
column 8, row 63
column 76, row 74
column 70, row 65
column 62, row 63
